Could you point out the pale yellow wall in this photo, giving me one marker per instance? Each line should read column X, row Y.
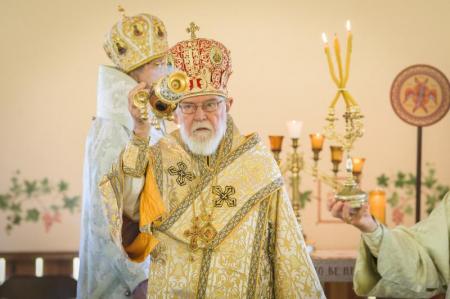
column 50, row 52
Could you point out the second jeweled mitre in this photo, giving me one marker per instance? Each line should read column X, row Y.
column 135, row 41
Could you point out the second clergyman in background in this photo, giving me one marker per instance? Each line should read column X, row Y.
column 137, row 45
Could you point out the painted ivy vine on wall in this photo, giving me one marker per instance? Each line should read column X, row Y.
column 36, row 201
column 401, row 192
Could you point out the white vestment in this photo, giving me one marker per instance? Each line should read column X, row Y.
column 104, row 271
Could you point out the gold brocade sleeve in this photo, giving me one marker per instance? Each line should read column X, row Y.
column 135, row 157
column 294, row 273
column 132, row 162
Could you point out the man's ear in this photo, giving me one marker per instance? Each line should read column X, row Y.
column 229, row 103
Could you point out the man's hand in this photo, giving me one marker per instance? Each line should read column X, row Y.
column 141, row 127
column 140, row 292
column 359, row 218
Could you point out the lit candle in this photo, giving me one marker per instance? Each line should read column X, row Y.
column 325, row 39
column 337, row 51
column 276, row 142
column 358, row 164
column 377, row 204
column 294, row 128
column 349, row 52
column 316, row 141
column 39, row 267
column 75, row 267
column 329, row 60
column 2, row 270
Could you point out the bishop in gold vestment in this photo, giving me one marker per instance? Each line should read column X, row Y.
column 218, row 223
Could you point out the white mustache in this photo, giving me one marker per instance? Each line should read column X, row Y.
column 201, row 125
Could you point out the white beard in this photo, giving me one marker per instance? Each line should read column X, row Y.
column 204, row 144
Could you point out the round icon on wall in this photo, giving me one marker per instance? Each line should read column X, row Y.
column 420, row 95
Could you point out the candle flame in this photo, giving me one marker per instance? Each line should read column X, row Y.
column 348, row 25
column 324, row 38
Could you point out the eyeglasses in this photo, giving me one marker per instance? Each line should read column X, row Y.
column 208, row 106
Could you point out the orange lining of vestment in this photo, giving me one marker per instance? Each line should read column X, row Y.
column 151, row 208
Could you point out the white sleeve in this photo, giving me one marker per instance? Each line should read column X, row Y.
column 131, row 194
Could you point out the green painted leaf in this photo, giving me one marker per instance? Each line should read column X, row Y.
column 304, row 198
column 45, row 186
column 439, row 188
column 16, row 187
column 30, row 187
column 429, row 182
column 63, row 186
column 17, row 219
column 4, row 199
column 16, row 207
column 400, row 180
column 383, row 181
column 443, row 191
column 393, row 199
column 410, row 192
column 411, row 181
column 71, row 203
column 32, row 215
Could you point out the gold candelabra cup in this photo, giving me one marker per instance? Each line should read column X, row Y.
column 276, row 142
column 358, row 164
column 317, row 140
column 336, row 157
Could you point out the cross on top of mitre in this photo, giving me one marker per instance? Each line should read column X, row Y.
column 121, row 10
column 192, row 29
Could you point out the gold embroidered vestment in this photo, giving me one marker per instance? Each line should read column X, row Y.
column 255, row 247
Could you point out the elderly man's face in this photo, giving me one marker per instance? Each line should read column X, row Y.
column 202, row 121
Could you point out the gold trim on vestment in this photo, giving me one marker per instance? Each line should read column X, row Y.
column 204, row 182
column 256, row 249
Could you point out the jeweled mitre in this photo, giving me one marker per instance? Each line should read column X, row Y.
column 206, row 62
column 135, row 41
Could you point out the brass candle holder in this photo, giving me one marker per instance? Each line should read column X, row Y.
column 351, row 192
column 352, row 116
column 336, row 157
column 358, row 164
column 276, row 142
column 317, row 140
column 293, row 165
